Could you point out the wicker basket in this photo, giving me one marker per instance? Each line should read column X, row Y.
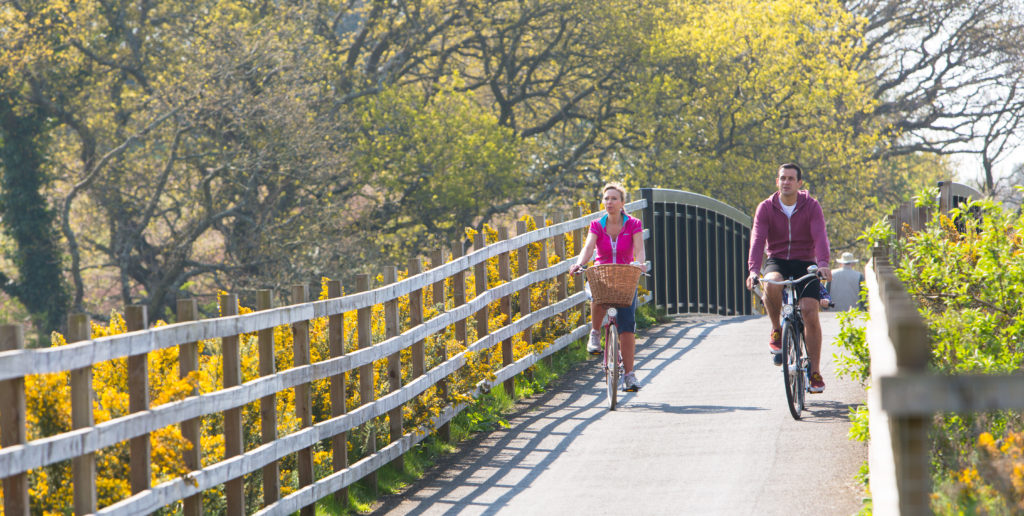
column 613, row 284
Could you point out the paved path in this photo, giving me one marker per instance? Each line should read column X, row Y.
column 708, row 434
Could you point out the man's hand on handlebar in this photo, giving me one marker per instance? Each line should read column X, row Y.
column 752, row 280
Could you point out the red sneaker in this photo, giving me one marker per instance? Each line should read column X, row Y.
column 775, row 344
column 817, row 383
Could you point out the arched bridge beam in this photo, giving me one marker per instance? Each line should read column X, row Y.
column 698, row 247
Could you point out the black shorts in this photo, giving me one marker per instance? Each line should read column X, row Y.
column 794, row 269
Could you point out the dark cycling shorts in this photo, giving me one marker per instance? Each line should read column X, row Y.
column 794, row 269
column 626, row 318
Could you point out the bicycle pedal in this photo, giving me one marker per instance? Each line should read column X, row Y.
column 777, row 359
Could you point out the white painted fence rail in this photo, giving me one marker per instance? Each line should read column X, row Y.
column 18, row 456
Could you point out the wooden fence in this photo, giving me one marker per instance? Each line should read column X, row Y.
column 904, row 395
column 18, row 456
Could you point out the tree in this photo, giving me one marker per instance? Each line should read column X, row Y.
column 946, row 75
column 27, row 219
column 732, row 89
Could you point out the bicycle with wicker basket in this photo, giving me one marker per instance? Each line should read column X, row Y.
column 612, row 285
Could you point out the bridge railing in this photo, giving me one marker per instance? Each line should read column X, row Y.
column 904, row 394
column 18, row 455
column 699, row 253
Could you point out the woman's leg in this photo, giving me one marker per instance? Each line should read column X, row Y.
column 627, row 342
column 596, row 315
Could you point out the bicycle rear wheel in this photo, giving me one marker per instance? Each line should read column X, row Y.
column 791, row 369
column 611, row 364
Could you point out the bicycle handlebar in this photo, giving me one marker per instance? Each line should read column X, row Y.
column 789, row 281
column 646, row 264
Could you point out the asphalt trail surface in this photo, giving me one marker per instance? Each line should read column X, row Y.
column 709, row 433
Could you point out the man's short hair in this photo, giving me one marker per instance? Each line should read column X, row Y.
column 794, row 166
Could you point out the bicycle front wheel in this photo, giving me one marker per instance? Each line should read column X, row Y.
column 791, row 369
column 611, row 364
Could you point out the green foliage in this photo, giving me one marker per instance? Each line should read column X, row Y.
column 969, row 286
column 854, row 360
column 859, row 430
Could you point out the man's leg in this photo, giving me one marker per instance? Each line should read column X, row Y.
column 772, row 299
column 773, row 305
column 812, row 331
column 812, row 336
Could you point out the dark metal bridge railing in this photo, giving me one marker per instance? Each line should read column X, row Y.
column 698, row 247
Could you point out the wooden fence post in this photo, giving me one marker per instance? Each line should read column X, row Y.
column 364, row 326
column 505, row 274
column 83, row 467
column 303, row 394
column 437, row 260
column 459, row 293
column 394, row 364
column 577, row 280
column 479, row 287
column 525, row 293
column 138, row 401
column 563, row 279
column 188, row 361
column 12, row 424
column 336, row 343
column 234, row 444
column 268, row 404
column 542, row 263
column 416, row 319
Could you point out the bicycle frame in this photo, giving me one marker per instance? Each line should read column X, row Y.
column 795, row 361
column 612, row 355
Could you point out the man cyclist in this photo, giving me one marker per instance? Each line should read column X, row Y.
column 789, row 227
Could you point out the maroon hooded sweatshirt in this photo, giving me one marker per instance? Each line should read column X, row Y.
column 800, row 237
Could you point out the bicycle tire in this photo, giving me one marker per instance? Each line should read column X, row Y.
column 805, row 367
column 791, row 374
column 611, row 362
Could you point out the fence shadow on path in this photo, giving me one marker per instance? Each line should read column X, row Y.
column 507, row 461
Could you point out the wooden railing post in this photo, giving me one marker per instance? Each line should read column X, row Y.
column 505, row 274
column 415, row 319
column 542, row 263
column 268, row 404
column 394, row 364
column 524, row 294
column 459, row 293
column 364, row 326
column 83, row 468
column 303, row 394
column 560, row 252
column 578, row 237
column 12, row 423
column 138, row 401
column 437, row 260
column 480, row 286
column 188, row 361
column 336, row 343
column 234, row 445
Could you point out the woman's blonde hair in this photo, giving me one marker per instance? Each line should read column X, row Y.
column 617, row 187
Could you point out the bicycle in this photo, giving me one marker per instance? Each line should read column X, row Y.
column 796, row 365
column 612, row 285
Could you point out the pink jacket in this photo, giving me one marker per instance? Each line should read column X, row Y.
column 800, row 237
column 623, row 244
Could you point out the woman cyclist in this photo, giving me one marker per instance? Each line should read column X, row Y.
column 618, row 238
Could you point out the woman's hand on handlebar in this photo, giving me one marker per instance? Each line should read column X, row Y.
column 575, row 269
column 641, row 266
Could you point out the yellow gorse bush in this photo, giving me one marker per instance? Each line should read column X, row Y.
column 49, row 408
